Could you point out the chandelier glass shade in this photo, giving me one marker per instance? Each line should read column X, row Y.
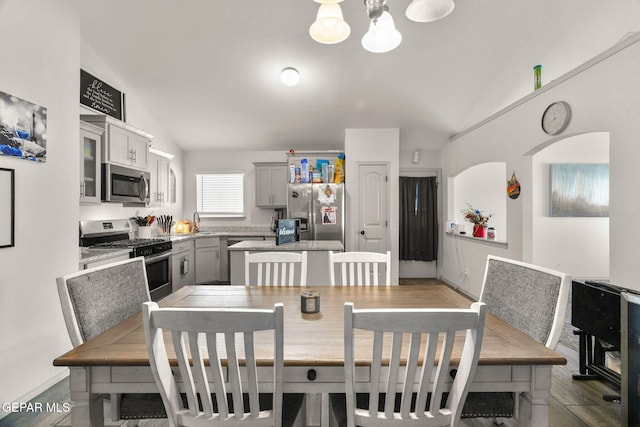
column 429, row 10
column 329, row 26
column 382, row 35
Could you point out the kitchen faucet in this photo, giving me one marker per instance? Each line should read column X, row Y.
column 196, row 221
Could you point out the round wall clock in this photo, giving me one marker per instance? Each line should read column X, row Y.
column 556, row 117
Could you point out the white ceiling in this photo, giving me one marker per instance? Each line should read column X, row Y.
column 208, row 70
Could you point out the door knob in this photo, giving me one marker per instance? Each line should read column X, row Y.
column 362, row 232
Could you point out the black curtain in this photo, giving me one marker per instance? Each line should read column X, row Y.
column 418, row 219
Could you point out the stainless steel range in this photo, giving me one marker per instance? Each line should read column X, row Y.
column 115, row 234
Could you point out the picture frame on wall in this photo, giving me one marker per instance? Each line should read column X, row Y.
column 7, row 208
column 101, row 96
column 579, row 189
column 23, row 129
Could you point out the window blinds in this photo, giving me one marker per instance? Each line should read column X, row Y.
column 220, row 194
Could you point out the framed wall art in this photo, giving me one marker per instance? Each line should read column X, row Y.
column 101, row 96
column 23, row 129
column 7, row 208
column 579, row 189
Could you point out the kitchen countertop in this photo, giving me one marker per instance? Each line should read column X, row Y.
column 302, row 245
column 90, row 255
column 205, row 234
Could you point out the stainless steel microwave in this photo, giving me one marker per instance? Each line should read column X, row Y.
column 124, row 185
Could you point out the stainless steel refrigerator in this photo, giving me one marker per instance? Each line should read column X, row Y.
column 320, row 209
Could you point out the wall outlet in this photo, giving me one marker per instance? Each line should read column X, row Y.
column 465, row 275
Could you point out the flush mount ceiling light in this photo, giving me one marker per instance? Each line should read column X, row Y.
column 290, row 76
column 429, row 10
column 330, row 26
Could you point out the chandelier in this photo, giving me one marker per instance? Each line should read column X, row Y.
column 331, row 28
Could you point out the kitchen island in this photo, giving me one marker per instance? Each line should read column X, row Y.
column 317, row 257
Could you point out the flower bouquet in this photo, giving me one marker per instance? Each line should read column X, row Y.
column 478, row 218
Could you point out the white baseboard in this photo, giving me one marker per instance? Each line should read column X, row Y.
column 31, row 394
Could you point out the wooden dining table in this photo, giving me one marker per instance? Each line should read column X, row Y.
column 116, row 361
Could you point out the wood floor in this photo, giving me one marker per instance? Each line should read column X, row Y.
column 572, row 403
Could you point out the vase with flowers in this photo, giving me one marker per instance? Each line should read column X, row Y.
column 478, row 218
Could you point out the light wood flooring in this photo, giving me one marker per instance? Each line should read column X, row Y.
column 572, row 403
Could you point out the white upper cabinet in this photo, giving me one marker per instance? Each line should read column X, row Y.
column 159, row 168
column 90, row 175
column 122, row 144
column 271, row 184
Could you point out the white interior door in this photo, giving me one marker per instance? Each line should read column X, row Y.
column 373, row 209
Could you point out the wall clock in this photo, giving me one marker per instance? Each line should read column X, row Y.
column 556, row 117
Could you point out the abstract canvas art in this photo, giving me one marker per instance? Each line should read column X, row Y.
column 579, row 189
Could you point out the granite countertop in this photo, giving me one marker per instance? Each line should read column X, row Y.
column 303, row 245
column 205, row 234
column 89, row 255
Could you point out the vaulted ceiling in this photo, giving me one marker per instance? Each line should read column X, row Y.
column 209, row 70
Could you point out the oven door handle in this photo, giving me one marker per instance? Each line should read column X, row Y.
column 156, row 258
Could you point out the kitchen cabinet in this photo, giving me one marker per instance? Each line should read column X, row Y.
column 122, row 144
column 207, row 260
column 271, row 184
column 90, row 137
column 159, row 168
column 182, row 265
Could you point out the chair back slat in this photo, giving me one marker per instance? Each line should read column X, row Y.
column 275, row 268
column 411, row 366
column 359, row 268
column 410, row 373
column 252, row 375
column 215, row 367
column 195, row 330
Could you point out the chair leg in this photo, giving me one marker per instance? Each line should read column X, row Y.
column 115, row 406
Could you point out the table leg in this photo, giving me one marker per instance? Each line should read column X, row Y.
column 88, row 408
column 534, row 404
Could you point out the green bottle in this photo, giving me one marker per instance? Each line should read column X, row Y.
column 537, row 77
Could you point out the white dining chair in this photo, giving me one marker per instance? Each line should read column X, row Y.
column 216, row 395
column 275, row 268
column 359, row 268
column 529, row 297
column 410, row 374
column 99, row 298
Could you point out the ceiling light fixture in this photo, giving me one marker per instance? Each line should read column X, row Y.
column 290, row 76
column 429, row 10
column 382, row 35
column 330, row 26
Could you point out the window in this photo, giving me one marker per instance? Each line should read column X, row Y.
column 220, row 194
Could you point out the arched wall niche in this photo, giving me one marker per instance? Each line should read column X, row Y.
column 578, row 246
column 483, row 186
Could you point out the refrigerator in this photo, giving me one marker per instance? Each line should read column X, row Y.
column 320, row 209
